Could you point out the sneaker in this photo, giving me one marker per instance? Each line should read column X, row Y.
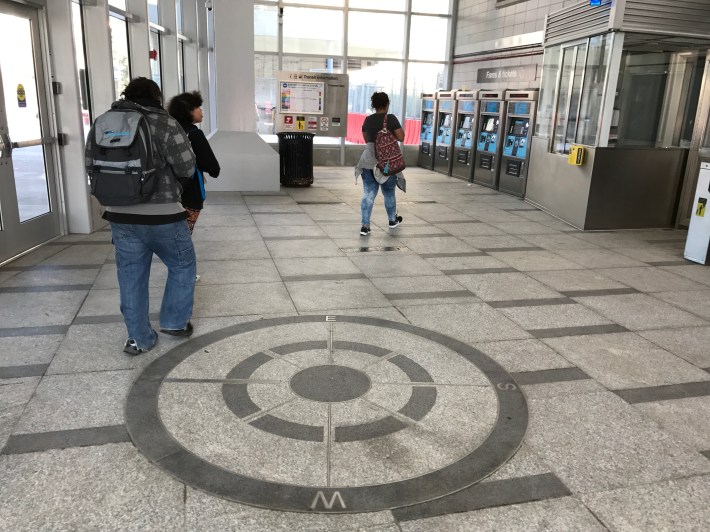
column 394, row 223
column 197, row 278
column 187, row 331
column 365, row 230
column 132, row 348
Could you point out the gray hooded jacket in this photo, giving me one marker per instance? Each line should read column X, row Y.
column 174, row 162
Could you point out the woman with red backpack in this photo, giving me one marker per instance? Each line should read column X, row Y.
column 372, row 177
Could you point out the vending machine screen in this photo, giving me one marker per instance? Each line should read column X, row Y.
column 428, row 104
column 490, row 125
column 467, row 106
column 446, row 105
column 491, row 107
column 519, row 108
column 466, row 122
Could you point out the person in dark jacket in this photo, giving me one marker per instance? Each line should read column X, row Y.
column 157, row 226
column 186, row 108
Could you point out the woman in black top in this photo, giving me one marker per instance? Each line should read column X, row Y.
column 186, row 108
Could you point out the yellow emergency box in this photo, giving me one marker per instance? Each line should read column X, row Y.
column 576, row 156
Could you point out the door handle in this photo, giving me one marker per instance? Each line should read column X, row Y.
column 5, row 145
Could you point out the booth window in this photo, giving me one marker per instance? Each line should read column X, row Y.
column 119, row 51
column 78, row 35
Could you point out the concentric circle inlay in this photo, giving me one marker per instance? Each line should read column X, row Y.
column 326, row 414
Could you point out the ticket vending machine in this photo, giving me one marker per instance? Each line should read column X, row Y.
column 427, row 136
column 465, row 133
column 444, row 131
column 520, row 113
column 491, row 120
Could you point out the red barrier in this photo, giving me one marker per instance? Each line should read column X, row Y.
column 354, row 134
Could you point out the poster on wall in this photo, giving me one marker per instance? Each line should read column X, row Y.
column 301, row 97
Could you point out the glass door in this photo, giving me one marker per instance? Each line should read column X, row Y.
column 29, row 210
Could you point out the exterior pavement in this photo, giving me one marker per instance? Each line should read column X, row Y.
column 495, row 369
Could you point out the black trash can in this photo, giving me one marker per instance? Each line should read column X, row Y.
column 296, row 159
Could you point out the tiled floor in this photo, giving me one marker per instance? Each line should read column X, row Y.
column 607, row 334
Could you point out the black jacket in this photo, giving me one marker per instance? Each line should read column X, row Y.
column 206, row 162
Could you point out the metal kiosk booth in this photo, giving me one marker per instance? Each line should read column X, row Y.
column 444, row 136
column 465, row 120
column 427, row 140
column 488, row 145
column 518, row 131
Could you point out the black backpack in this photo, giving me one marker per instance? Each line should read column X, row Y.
column 122, row 169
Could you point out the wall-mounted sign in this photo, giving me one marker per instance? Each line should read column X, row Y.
column 301, row 97
column 513, row 73
column 21, row 98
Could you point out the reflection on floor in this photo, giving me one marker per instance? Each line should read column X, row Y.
column 365, row 376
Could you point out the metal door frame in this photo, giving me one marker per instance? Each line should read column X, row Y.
column 25, row 236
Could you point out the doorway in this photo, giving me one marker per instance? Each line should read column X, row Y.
column 29, row 204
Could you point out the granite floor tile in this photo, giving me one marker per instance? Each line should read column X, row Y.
column 52, row 277
column 350, row 293
column 287, row 219
column 5, row 275
column 63, row 402
column 558, row 241
column 237, row 272
column 625, row 360
column 686, row 419
column 449, row 264
column 444, row 244
column 696, row 302
column 272, row 231
column 19, row 350
column 523, row 355
column 559, row 514
column 81, row 254
column 595, row 442
column 696, row 272
column 562, row 389
column 489, row 242
column 248, row 249
column 471, row 322
column 650, row 279
column 505, row 286
column 111, row 487
column 283, row 249
column 678, row 504
column 575, row 280
column 470, row 229
column 226, row 235
column 241, row 299
column 553, row 317
column 315, row 266
column 226, row 220
column 690, row 344
column 641, row 312
column 648, row 253
column 40, row 308
column 393, row 265
column 524, row 228
column 527, row 261
column 600, row 258
column 39, row 255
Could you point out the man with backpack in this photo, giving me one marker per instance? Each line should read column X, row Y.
column 136, row 157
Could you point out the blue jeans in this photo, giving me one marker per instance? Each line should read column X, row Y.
column 135, row 245
column 369, row 192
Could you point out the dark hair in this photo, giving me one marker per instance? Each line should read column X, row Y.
column 142, row 88
column 182, row 105
column 379, row 100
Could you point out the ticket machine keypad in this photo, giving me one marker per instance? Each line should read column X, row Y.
column 516, row 142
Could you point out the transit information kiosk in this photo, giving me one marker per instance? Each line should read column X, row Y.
column 465, row 120
column 488, row 143
column 518, row 131
column 444, row 136
column 427, row 138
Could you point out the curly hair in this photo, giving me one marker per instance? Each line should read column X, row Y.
column 379, row 100
column 181, row 106
column 142, row 88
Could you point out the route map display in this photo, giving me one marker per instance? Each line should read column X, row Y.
column 301, row 97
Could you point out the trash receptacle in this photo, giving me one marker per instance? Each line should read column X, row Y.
column 296, row 159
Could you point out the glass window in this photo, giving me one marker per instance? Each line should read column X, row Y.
column 265, row 67
column 312, row 31
column 155, row 58
column 386, row 5
column 78, row 35
column 327, row 3
column 428, row 38
column 548, row 84
column 421, row 77
column 266, row 29
column 120, row 4
column 364, row 42
column 119, row 54
column 573, row 58
column 153, row 12
column 178, row 15
column 442, row 7
column 593, row 90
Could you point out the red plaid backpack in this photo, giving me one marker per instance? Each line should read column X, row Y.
column 389, row 157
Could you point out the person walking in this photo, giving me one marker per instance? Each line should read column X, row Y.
column 156, row 226
column 186, row 108
column 366, row 166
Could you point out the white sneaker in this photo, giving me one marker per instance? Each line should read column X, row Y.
column 197, row 278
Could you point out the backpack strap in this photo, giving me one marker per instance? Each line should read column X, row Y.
column 384, row 125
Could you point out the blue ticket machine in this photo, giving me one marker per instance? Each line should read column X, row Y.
column 520, row 114
column 444, row 131
column 465, row 120
column 427, row 135
column 491, row 120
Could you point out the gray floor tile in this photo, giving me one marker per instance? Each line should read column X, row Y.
column 650, row 279
column 111, row 487
column 625, row 360
column 600, row 258
column 503, row 241
column 559, row 514
column 237, row 272
column 505, row 286
column 696, row 302
column 393, row 265
column 695, row 272
column 597, row 442
column 690, row 344
column 470, row 229
column 641, row 312
column 282, row 249
column 686, row 419
column 315, row 266
column 270, row 231
column 18, row 350
column 441, row 244
column 82, row 254
column 241, row 299
column 225, row 235
column 572, row 280
column 527, row 261
column 558, row 241
column 647, row 253
column 290, row 219
column 553, row 317
column 52, row 277
column 350, row 293
column 64, row 402
column 562, row 389
column 41, row 308
column 680, row 504
column 523, row 355
column 474, row 322
column 248, row 249
column 225, row 220
column 465, row 263
column 524, row 228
